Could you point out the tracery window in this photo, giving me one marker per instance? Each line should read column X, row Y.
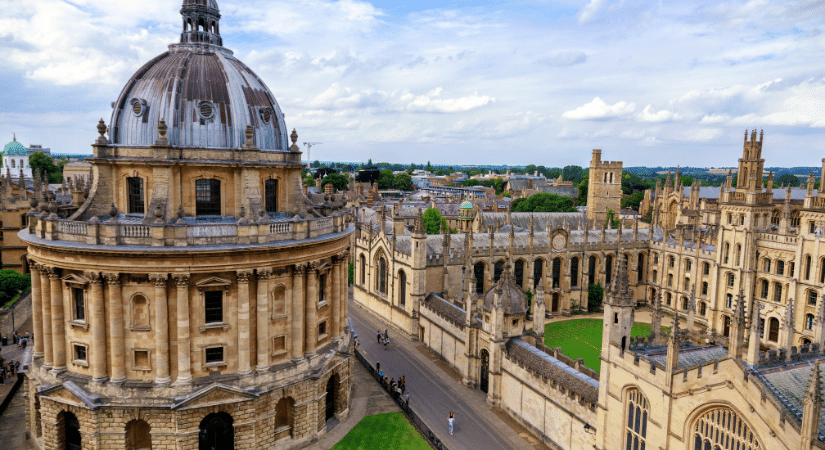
column 765, row 288
column 780, row 267
column 574, row 272
column 636, row 429
column 773, row 329
column 706, row 268
column 723, row 428
column 382, row 275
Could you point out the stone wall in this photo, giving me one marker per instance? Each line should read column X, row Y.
column 15, row 315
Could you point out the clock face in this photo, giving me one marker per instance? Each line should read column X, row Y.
column 559, row 241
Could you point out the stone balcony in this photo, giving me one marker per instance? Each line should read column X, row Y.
column 185, row 232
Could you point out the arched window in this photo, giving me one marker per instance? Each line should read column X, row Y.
column 812, row 294
column 640, row 267
column 685, row 303
column 731, row 279
column 809, row 321
column 284, row 418
column 591, row 270
column 556, row 272
column 655, row 259
column 12, row 164
column 727, row 252
column 478, row 271
column 207, row 197
column 518, row 272
column 766, row 265
column 671, row 262
column 637, row 411
column 538, row 271
column 703, row 308
column 729, row 301
column 402, row 288
column 808, row 267
column 723, row 429
column 777, row 292
column 608, row 269
column 216, row 431
column 656, row 276
column 738, row 254
column 773, row 329
column 704, row 288
column 667, row 298
column 134, row 185
column 138, row 435
column 705, row 269
column 765, row 285
column 363, row 269
column 271, row 195
column 780, row 267
column 670, row 280
column 688, row 265
column 497, row 271
column 574, row 272
column 382, row 275
column 687, row 283
column 726, row 328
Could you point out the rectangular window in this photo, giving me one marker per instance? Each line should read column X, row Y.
column 687, row 283
column 706, row 269
column 80, row 353
column 142, row 360
column 670, row 280
column 322, row 281
column 322, row 328
column 271, row 195
column 213, row 305
column 278, row 344
column 780, row 267
column 705, row 288
column 731, row 279
column 688, row 265
column 79, row 305
column 208, row 197
column 214, row 355
column 791, row 268
column 812, row 297
column 135, row 187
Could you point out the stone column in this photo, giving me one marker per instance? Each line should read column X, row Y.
column 58, row 324
column 335, row 296
column 161, row 330
column 263, row 320
column 298, row 310
column 184, row 361
column 244, row 340
column 100, row 370
column 45, row 297
column 116, row 328
column 344, row 289
column 311, row 303
column 37, row 310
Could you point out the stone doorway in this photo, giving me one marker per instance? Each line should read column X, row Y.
column 330, row 401
column 71, row 427
column 216, row 432
column 484, row 378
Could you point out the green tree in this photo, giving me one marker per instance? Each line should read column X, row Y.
column 469, row 183
column 351, row 272
column 45, row 164
column 530, row 169
column 595, row 295
column 429, row 167
column 633, row 200
column 12, row 283
column 612, row 219
column 315, row 164
column 386, row 180
column 788, row 179
column 543, row 202
column 339, row 181
column 495, row 183
column 687, row 181
column 573, row 173
column 403, row 182
column 583, row 191
column 432, row 220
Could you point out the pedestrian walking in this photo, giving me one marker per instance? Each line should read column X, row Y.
column 386, row 333
column 378, row 336
column 381, row 374
column 378, row 366
column 407, row 399
column 386, row 343
column 451, row 421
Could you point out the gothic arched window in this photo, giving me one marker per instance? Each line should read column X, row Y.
column 723, row 428
column 636, row 429
column 773, row 329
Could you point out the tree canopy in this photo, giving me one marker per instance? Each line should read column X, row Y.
column 46, row 165
column 12, row 283
column 339, row 181
column 544, row 202
column 788, row 179
column 403, row 182
column 432, row 220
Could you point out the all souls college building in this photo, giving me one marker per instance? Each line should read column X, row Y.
column 192, row 297
column 745, row 269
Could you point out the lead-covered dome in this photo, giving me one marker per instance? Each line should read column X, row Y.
column 14, row 148
column 206, row 96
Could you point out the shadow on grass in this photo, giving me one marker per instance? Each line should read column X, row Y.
column 381, row 432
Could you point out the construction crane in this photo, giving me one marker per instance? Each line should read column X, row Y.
column 309, row 147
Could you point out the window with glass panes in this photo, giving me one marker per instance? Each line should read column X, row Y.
column 271, row 195
column 636, row 429
column 79, row 305
column 213, row 305
column 135, row 187
column 208, row 197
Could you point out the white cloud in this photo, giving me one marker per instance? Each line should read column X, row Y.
column 424, row 103
column 598, row 109
column 661, row 116
column 590, row 10
column 563, row 59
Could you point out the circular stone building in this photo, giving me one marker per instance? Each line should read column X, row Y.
column 188, row 295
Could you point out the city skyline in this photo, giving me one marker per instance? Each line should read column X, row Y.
column 494, row 82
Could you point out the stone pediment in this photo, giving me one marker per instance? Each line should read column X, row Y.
column 71, row 393
column 75, row 279
column 214, row 394
column 213, row 283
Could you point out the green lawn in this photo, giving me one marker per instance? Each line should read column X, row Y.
column 582, row 338
column 382, row 432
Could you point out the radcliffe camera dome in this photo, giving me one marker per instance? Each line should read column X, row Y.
column 206, row 96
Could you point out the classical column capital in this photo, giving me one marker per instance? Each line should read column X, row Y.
column 264, row 274
column 299, row 269
column 244, row 275
column 280, row 271
column 159, row 279
column 94, row 277
column 52, row 273
column 313, row 266
column 112, row 278
column 181, row 279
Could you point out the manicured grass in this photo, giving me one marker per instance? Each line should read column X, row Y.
column 582, row 338
column 382, row 432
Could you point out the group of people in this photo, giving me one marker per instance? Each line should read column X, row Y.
column 7, row 369
column 384, row 338
column 20, row 340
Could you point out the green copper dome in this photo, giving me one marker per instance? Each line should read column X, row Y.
column 15, row 148
column 466, row 204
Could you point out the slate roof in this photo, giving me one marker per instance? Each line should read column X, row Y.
column 788, row 383
column 542, row 363
column 445, row 309
column 522, row 220
column 689, row 355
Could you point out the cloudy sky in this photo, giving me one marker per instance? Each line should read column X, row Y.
column 455, row 82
